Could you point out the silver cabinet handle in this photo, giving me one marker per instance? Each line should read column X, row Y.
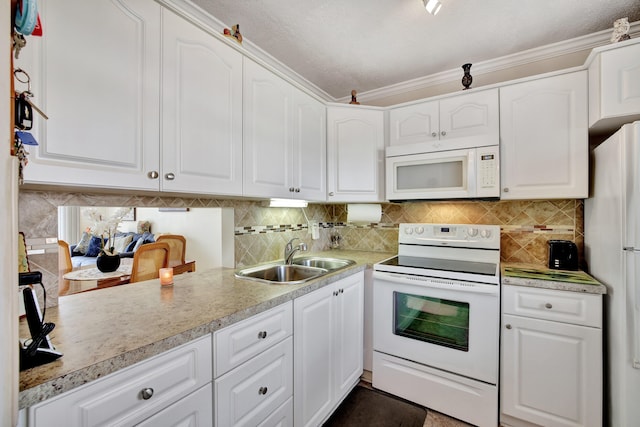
column 548, row 305
column 262, row 334
column 153, row 175
column 506, row 189
column 263, row 390
column 443, row 133
column 434, row 134
column 291, row 189
column 169, row 176
column 297, row 190
column 507, row 326
column 331, row 193
column 146, row 393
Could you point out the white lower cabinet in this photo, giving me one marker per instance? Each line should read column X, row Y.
column 551, row 361
column 253, row 368
column 328, row 347
column 176, row 384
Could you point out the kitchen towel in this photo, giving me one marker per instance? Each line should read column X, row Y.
column 363, row 213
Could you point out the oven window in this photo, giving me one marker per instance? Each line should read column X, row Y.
column 432, row 320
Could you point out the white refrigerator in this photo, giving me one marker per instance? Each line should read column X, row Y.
column 612, row 251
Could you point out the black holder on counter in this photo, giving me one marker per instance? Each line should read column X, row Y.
column 40, row 350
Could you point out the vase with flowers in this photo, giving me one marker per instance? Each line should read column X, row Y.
column 105, row 229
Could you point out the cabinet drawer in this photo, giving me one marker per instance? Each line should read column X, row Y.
column 250, row 393
column 193, row 410
column 116, row 399
column 240, row 342
column 281, row 417
column 560, row 306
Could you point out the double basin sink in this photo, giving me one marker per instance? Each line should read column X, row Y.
column 299, row 271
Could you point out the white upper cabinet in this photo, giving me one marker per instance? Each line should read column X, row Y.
column 100, row 93
column 309, row 148
column 614, row 86
column 355, row 154
column 283, row 130
column 448, row 123
column 201, row 111
column 123, row 115
column 544, row 148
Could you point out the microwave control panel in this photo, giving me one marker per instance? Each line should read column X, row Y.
column 488, row 178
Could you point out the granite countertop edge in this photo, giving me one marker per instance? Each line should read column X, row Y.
column 45, row 386
column 548, row 284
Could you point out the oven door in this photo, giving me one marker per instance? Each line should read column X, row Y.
column 445, row 324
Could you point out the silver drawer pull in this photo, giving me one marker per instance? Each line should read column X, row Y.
column 262, row 390
column 507, row 326
column 146, row 393
column 548, row 305
column 169, row 176
column 262, row 334
column 153, row 175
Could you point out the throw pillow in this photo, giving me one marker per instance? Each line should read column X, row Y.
column 83, row 244
column 144, row 226
column 139, row 243
column 94, row 246
column 120, row 243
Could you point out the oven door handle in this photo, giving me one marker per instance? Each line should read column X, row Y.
column 432, row 282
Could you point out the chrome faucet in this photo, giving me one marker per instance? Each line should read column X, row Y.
column 290, row 250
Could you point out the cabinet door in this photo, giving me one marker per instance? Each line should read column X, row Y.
column 313, row 358
column 349, row 333
column 544, row 150
column 201, row 111
column 551, row 372
column 355, row 153
column 309, row 148
column 472, row 117
column 414, row 123
column 614, row 88
column 100, row 93
column 267, row 132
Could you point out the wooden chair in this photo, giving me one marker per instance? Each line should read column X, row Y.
column 64, row 266
column 177, row 250
column 147, row 260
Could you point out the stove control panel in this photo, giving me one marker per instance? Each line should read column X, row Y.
column 463, row 235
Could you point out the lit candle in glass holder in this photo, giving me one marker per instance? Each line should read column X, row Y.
column 166, row 276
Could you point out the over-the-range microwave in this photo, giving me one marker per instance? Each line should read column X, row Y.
column 421, row 172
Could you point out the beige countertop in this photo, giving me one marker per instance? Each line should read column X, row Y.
column 540, row 276
column 102, row 331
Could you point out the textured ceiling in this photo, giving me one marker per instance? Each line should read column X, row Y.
column 340, row 45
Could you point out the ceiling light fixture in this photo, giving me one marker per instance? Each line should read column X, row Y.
column 286, row 203
column 432, row 6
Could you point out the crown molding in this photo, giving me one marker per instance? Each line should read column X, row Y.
column 214, row 26
column 550, row 51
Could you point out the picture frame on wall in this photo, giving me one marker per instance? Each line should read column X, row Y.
column 131, row 216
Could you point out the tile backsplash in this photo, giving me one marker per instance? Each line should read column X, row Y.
column 261, row 233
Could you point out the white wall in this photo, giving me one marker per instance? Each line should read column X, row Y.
column 9, row 232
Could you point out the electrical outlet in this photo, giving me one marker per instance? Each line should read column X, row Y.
column 315, row 230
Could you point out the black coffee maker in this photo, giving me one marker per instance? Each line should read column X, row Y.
column 563, row 255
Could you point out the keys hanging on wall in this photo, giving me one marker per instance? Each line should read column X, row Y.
column 23, row 105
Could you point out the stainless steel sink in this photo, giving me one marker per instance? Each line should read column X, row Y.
column 281, row 273
column 301, row 270
column 321, row 262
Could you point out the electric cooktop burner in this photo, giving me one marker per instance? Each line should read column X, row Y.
column 459, row 266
